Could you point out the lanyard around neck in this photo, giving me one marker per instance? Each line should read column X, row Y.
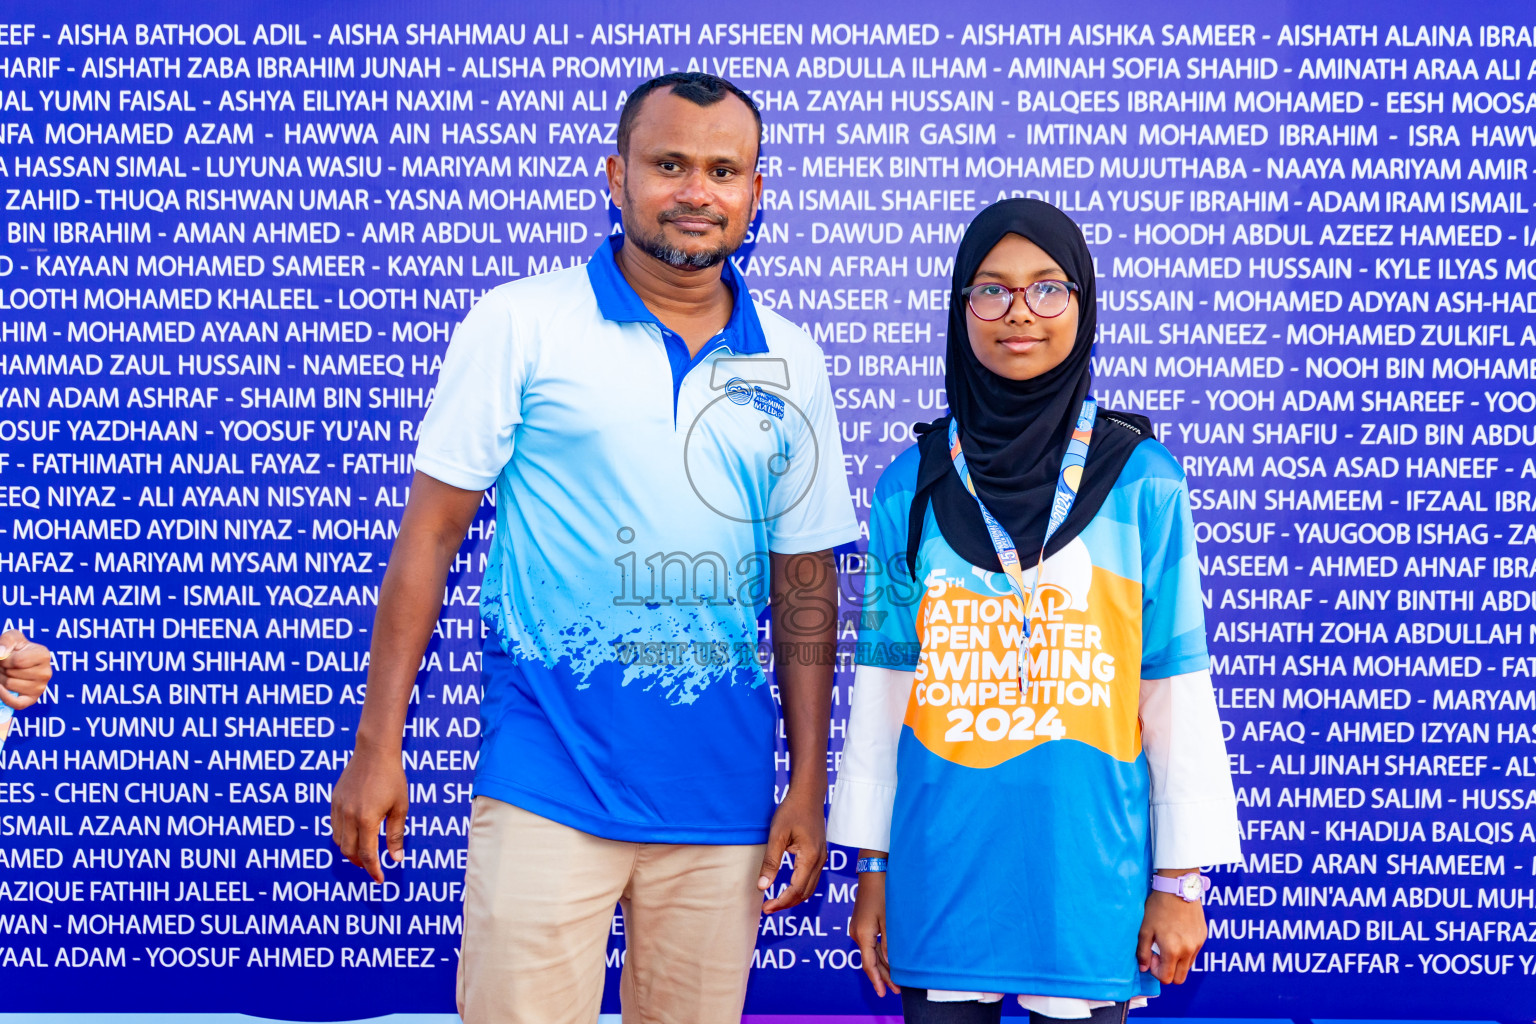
column 1067, row 481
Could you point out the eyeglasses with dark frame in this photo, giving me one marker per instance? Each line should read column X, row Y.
column 992, row 301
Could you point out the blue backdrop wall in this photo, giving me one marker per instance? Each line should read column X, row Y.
column 237, row 239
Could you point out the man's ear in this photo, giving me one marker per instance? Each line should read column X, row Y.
column 615, row 168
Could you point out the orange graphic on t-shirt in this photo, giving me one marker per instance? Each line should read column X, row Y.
column 1083, row 671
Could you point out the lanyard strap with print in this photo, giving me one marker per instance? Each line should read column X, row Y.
column 1066, row 493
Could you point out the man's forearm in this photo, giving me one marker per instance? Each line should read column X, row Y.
column 806, row 693
column 410, row 601
column 804, row 634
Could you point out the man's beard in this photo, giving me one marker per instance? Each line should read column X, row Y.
column 671, row 255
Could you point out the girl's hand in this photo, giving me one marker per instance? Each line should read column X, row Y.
column 867, row 929
column 1178, row 929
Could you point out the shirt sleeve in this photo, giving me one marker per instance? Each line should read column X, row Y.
column 886, row 658
column 466, row 436
column 1173, row 611
column 865, row 793
column 812, row 509
column 888, row 615
column 1194, row 809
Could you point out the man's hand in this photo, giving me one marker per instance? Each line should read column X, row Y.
column 371, row 789
column 25, row 669
column 800, row 827
column 867, row 929
column 1178, row 928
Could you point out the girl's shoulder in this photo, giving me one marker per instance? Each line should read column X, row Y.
column 1149, row 490
column 899, row 479
column 1151, row 462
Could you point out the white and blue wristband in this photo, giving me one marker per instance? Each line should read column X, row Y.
column 870, row 865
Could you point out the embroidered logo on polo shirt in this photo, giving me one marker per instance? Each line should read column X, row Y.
column 738, row 391
column 756, row 464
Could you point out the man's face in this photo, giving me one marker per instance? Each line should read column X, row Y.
column 689, row 185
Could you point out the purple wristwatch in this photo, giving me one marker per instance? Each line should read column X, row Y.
column 1190, row 887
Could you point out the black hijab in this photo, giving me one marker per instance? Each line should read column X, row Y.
column 1015, row 432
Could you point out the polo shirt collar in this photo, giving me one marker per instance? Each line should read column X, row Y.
column 618, row 301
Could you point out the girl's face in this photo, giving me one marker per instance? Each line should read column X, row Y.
column 1021, row 345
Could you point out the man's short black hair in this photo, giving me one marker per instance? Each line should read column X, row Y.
column 693, row 86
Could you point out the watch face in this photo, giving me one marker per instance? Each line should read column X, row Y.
column 1193, row 890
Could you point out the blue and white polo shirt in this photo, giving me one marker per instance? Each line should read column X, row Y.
column 639, row 492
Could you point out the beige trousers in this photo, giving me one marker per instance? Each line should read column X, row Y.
column 538, row 911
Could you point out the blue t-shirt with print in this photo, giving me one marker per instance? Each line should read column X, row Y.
column 1020, row 845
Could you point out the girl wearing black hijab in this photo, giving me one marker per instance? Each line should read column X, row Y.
column 1034, row 764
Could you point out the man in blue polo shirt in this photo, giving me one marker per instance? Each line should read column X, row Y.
column 666, row 460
